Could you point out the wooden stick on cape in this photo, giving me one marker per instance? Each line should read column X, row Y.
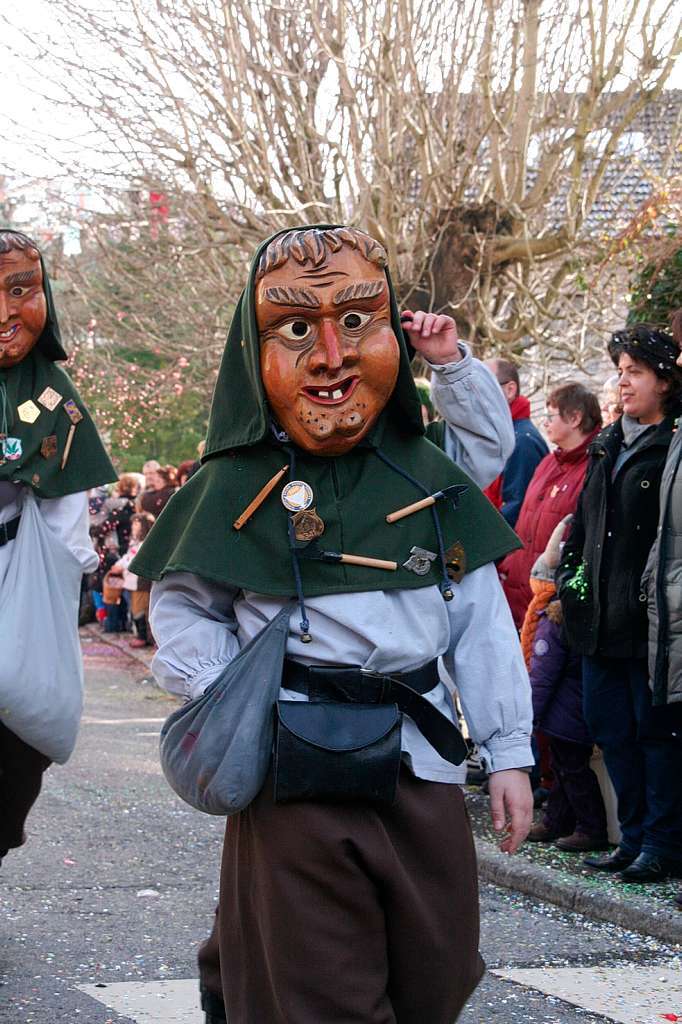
column 67, row 447
column 453, row 492
column 259, row 499
column 315, row 552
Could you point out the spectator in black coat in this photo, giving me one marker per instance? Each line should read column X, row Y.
column 605, row 610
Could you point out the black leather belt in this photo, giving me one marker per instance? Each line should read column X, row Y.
column 8, row 531
column 355, row 685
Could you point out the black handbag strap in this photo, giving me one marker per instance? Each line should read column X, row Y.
column 353, row 684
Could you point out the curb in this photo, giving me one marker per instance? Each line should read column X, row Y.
column 571, row 894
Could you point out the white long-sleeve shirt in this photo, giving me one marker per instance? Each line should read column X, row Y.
column 479, row 432
column 200, row 627
column 67, row 517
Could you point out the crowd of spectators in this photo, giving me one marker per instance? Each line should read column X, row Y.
column 596, row 592
column 120, row 519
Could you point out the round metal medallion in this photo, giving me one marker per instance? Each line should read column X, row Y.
column 297, row 496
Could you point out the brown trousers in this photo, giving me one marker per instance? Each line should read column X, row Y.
column 21, row 776
column 349, row 913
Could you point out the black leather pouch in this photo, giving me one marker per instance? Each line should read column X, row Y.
column 329, row 751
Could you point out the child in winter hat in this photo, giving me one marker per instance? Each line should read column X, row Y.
column 574, row 816
column 542, row 585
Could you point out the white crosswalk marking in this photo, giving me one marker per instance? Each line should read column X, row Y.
column 624, row 995
column 152, row 1002
column 627, row 995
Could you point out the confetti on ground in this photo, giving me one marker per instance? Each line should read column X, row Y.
column 153, row 1002
column 627, row 995
column 103, row 650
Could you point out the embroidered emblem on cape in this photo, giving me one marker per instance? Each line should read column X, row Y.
column 12, row 448
column 420, row 561
column 307, row 525
column 297, row 496
column 50, row 398
column 28, row 412
column 48, row 446
column 72, row 411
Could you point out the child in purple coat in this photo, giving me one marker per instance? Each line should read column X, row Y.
column 574, row 816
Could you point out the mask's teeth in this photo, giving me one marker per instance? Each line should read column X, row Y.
column 323, row 394
column 338, row 393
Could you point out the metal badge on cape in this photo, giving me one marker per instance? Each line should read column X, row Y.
column 297, row 496
column 28, row 412
column 456, row 562
column 50, row 398
column 307, row 525
column 420, row 561
column 48, row 446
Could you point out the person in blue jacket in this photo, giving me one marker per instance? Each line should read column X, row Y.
column 508, row 490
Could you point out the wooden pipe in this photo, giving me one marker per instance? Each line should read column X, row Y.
column 67, row 447
column 259, row 499
column 416, row 506
column 372, row 563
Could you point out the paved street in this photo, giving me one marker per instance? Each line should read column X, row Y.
column 101, row 914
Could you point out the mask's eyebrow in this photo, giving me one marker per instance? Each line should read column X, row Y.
column 285, row 296
column 25, row 277
column 358, row 290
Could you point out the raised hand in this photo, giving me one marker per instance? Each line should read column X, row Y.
column 433, row 335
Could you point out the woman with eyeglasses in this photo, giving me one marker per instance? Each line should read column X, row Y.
column 605, row 607
column 572, row 421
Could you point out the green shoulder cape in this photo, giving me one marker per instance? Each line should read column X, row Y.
column 42, row 443
column 352, row 494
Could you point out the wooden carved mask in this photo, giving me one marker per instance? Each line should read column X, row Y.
column 329, row 356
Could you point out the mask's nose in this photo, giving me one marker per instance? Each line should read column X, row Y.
column 330, row 352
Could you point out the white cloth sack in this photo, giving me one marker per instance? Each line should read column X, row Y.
column 41, row 671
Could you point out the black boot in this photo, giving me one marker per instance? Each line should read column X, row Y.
column 213, row 1006
column 616, row 861
column 650, row 868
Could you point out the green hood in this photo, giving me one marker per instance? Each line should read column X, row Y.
column 88, row 464
column 395, row 466
column 50, row 341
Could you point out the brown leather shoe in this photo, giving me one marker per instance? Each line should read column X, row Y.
column 578, row 842
column 541, row 834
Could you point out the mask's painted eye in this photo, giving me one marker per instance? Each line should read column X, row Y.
column 295, row 330
column 353, row 321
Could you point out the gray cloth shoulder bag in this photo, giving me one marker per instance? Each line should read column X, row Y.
column 216, row 750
